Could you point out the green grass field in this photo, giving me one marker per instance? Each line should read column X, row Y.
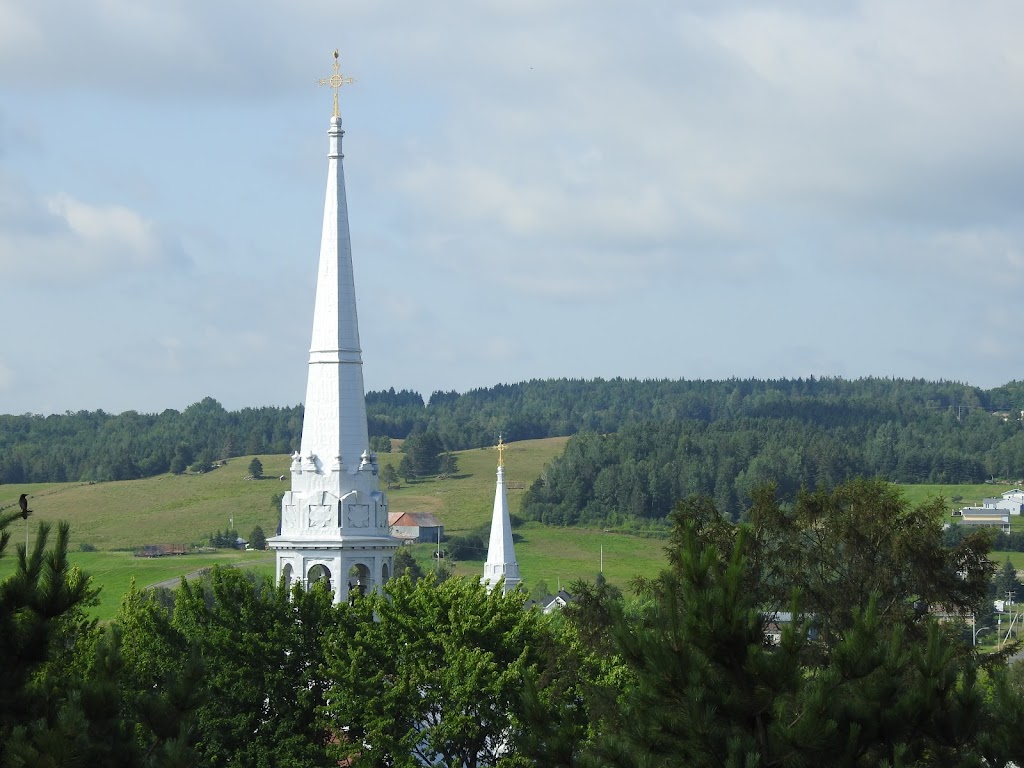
column 559, row 556
column 464, row 501
column 184, row 509
column 119, row 517
column 114, row 571
column 970, row 495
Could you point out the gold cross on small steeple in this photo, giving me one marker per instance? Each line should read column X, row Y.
column 501, row 451
column 336, row 81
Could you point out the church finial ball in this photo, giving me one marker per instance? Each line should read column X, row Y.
column 335, row 54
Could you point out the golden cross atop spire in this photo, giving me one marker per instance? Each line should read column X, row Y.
column 501, row 451
column 336, row 81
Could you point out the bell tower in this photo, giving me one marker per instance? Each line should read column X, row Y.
column 334, row 520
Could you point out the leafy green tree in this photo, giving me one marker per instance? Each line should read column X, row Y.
column 262, row 653
column 432, row 674
column 256, row 468
column 539, row 589
column 389, row 475
column 62, row 700
column 1006, row 583
column 406, row 469
column 841, row 546
column 163, row 678
column 708, row 689
column 406, row 565
column 203, row 462
column 593, row 611
column 448, row 463
column 226, row 540
column 181, row 459
column 258, row 539
column 380, row 443
column 423, row 449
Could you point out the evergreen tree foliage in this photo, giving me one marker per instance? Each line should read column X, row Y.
column 842, row 545
column 406, row 565
column 423, row 450
column 389, row 475
column 721, row 438
column 406, row 469
column 62, row 694
column 1006, row 585
column 447, row 463
column 39, row 604
column 380, row 443
column 226, row 540
column 709, row 690
column 256, row 468
column 181, row 459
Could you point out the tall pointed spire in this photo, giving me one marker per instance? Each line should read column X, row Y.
column 334, row 520
column 501, row 566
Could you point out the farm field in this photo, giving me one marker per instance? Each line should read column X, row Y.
column 465, row 500
column 559, row 556
column 969, row 494
column 117, row 518
column 114, row 571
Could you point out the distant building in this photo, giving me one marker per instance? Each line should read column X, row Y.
column 415, row 527
column 501, row 568
column 985, row 517
column 551, row 603
column 1011, row 501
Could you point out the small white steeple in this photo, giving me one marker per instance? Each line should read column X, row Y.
column 501, row 566
column 334, row 520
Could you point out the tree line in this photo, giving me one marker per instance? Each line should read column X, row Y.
column 785, row 640
column 633, row 476
column 819, row 429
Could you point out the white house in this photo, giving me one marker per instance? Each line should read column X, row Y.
column 551, row 603
column 1011, row 501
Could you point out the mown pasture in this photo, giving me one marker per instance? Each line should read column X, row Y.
column 119, row 517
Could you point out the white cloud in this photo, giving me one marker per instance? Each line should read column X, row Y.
column 65, row 238
column 112, row 227
column 777, row 167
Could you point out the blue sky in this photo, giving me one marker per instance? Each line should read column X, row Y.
column 571, row 188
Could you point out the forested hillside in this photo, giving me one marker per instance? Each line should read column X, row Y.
column 675, row 437
column 796, row 434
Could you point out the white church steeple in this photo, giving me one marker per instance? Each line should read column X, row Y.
column 334, row 520
column 501, row 566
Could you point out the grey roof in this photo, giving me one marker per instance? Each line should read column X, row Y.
column 425, row 519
